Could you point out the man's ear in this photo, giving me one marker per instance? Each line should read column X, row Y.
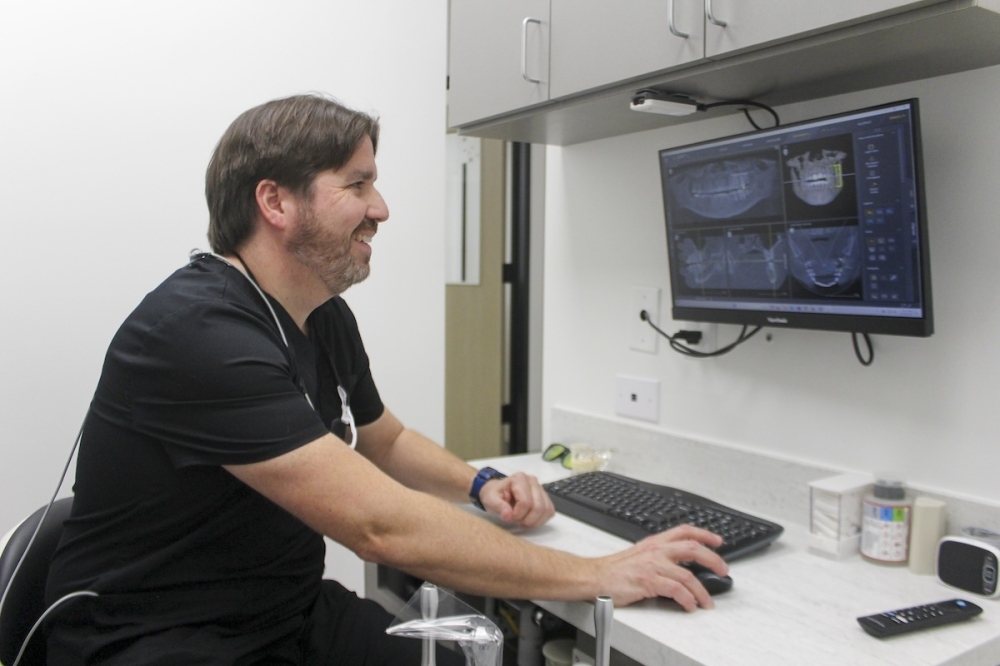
column 275, row 203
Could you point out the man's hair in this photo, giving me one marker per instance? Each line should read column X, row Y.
column 288, row 140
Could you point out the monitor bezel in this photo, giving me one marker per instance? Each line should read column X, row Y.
column 922, row 326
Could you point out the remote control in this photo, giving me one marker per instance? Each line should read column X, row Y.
column 905, row 620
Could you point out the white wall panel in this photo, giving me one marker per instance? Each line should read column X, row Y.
column 109, row 112
column 926, row 410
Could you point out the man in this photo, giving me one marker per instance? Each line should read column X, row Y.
column 236, row 422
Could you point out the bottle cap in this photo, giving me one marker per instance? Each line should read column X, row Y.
column 889, row 489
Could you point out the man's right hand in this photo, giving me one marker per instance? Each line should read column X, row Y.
column 651, row 568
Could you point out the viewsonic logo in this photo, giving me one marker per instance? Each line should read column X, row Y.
column 777, row 320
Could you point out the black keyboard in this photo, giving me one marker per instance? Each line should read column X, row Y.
column 633, row 510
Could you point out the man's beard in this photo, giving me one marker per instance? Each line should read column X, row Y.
column 328, row 255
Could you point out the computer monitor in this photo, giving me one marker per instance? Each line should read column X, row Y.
column 820, row 224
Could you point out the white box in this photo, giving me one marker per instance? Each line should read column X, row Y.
column 835, row 514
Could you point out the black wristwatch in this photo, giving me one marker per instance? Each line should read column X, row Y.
column 484, row 475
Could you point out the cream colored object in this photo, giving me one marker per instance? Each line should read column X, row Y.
column 585, row 458
column 928, row 528
column 558, row 652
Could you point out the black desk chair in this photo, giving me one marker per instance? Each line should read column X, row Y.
column 25, row 600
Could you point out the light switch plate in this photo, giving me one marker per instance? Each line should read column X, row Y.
column 637, row 397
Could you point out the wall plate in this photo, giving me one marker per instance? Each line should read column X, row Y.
column 637, row 397
column 643, row 337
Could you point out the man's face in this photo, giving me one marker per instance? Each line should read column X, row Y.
column 334, row 227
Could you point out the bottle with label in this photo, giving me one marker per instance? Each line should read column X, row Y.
column 885, row 523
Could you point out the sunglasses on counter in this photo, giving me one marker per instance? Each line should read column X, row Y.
column 558, row 452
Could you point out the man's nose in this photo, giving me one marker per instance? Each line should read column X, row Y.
column 377, row 208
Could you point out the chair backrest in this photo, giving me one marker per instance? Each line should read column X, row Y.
column 25, row 600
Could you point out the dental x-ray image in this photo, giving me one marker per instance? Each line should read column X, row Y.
column 744, row 186
column 826, row 261
column 758, row 261
column 823, row 262
column 703, row 261
column 820, row 179
column 817, row 224
column 746, row 261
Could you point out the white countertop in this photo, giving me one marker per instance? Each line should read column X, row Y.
column 787, row 605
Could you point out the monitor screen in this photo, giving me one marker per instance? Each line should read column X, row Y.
column 819, row 224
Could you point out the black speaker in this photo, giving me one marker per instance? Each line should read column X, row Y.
column 968, row 565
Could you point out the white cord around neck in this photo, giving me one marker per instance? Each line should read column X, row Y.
column 274, row 315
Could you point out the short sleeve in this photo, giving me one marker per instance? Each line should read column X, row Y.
column 212, row 381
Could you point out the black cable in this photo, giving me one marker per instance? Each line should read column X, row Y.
column 681, row 348
column 857, row 349
column 746, row 112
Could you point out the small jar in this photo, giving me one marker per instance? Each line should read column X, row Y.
column 885, row 523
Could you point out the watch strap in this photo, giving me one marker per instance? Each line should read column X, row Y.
column 482, row 476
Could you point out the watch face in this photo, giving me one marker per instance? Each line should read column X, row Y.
column 488, row 473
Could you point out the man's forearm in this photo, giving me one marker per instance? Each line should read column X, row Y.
column 418, row 463
column 421, row 464
column 344, row 496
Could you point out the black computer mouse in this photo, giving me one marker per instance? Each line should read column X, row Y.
column 713, row 582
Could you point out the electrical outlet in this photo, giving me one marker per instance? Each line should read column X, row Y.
column 637, row 397
column 643, row 337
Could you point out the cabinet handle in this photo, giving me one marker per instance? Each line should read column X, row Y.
column 708, row 14
column 524, row 49
column 670, row 21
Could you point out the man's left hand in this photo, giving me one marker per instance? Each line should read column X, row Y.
column 517, row 499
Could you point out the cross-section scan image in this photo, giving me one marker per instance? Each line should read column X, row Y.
column 826, row 261
column 702, row 262
column 744, row 186
column 820, row 179
column 757, row 261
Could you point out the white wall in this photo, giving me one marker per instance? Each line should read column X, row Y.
column 926, row 410
column 109, row 112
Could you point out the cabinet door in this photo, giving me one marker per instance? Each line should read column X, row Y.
column 596, row 42
column 498, row 57
column 750, row 24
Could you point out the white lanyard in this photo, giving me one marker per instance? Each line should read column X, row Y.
column 346, row 415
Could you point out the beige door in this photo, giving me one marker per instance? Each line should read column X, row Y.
column 474, row 328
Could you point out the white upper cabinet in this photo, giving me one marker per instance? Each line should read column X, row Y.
column 498, row 58
column 735, row 25
column 565, row 71
column 596, row 42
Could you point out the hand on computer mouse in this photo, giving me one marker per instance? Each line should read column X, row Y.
column 652, row 568
column 711, row 581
